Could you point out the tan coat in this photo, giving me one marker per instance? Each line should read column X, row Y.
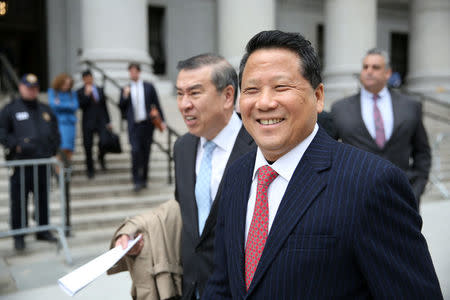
column 156, row 272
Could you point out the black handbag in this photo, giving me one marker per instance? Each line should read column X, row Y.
column 109, row 141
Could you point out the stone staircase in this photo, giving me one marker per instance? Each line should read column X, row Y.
column 99, row 205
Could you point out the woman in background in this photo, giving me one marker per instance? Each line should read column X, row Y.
column 64, row 103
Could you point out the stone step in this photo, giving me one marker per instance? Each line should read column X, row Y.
column 80, row 208
column 121, row 166
column 78, row 161
column 101, row 178
column 104, row 190
column 94, row 242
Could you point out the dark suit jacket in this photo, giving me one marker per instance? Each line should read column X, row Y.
column 409, row 138
column 95, row 113
column 325, row 121
column 346, row 228
column 151, row 98
column 197, row 251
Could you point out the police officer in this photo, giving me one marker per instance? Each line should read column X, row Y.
column 28, row 130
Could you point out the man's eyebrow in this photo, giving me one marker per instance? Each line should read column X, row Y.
column 251, row 81
column 192, row 87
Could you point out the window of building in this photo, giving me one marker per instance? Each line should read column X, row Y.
column 156, row 16
column 399, row 53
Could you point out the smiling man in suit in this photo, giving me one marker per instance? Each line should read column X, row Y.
column 304, row 216
column 385, row 122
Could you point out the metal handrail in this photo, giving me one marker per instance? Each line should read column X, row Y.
column 169, row 151
column 10, row 74
column 436, row 176
column 60, row 228
column 171, row 132
column 434, row 101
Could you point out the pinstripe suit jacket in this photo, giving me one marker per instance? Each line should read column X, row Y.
column 347, row 228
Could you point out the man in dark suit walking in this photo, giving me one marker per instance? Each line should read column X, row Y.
column 385, row 122
column 92, row 102
column 206, row 93
column 304, row 216
column 136, row 102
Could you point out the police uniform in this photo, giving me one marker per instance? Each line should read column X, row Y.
column 33, row 127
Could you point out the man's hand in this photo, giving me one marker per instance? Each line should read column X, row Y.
column 123, row 241
column 88, row 89
column 126, row 91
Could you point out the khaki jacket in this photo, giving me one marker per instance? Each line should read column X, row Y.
column 156, row 272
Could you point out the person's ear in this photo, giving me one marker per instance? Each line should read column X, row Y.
column 319, row 94
column 388, row 74
column 228, row 94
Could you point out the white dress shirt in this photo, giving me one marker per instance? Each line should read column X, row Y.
column 384, row 104
column 225, row 142
column 285, row 167
column 138, row 101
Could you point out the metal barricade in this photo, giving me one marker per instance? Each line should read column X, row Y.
column 60, row 228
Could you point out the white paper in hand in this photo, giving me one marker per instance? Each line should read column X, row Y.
column 81, row 277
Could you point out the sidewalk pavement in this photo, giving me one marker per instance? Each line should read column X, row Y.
column 36, row 278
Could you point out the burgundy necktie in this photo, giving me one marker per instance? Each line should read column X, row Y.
column 259, row 228
column 380, row 138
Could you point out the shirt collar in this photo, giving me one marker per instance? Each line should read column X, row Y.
column 222, row 140
column 285, row 165
column 366, row 94
column 139, row 82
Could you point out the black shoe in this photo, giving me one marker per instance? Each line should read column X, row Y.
column 138, row 187
column 19, row 243
column 90, row 174
column 102, row 163
column 45, row 236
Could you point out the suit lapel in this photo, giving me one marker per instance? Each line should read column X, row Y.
column 146, row 99
column 398, row 117
column 189, row 160
column 356, row 103
column 243, row 144
column 305, row 185
column 241, row 192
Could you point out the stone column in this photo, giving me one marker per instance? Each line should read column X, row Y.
column 115, row 32
column 238, row 21
column 350, row 30
column 429, row 47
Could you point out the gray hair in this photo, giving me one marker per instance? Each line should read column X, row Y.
column 381, row 52
column 223, row 73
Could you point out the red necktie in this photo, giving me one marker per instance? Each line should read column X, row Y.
column 380, row 138
column 259, row 228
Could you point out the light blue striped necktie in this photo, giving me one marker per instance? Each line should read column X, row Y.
column 203, row 185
